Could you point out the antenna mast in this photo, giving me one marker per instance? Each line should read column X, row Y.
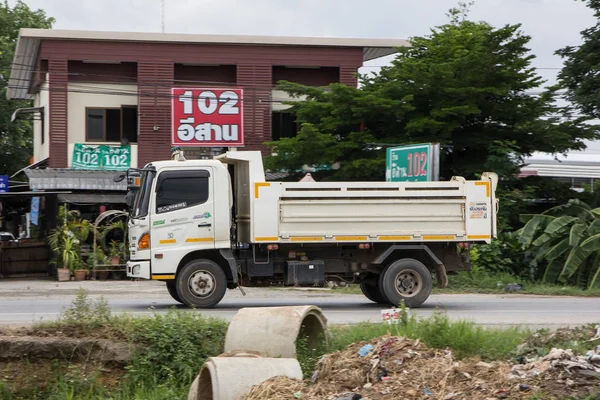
column 162, row 15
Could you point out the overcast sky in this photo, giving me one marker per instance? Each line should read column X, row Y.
column 552, row 24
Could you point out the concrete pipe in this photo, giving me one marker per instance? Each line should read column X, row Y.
column 274, row 331
column 229, row 378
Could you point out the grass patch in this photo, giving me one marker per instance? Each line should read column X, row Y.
column 168, row 352
column 464, row 338
column 484, row 283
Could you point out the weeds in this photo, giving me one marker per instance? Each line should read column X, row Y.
column 168, row 352
column 465, row 338
column 86, row 312
column 309, row 354
column 174, row 346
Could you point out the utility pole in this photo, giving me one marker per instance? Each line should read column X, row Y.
column 162, row 14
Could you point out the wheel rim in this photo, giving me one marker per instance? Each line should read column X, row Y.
column 408, row 283
column 202, row 284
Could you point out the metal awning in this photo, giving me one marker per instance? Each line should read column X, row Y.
column 14, row 195
column 91, row 198
column 32, row 166
column 74, row 179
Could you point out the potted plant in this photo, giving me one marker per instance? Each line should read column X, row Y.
column 65, row 241
column 68, row 254
column 116, row 250
column 79, row 270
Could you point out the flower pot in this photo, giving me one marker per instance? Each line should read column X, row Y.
column 63, row 274
column 80, row 275
column 115, row 260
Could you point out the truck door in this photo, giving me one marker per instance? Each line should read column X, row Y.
column 182, row 218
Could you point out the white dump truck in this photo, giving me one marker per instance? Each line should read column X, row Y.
column 204, row 226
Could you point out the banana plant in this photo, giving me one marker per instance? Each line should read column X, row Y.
column 565, row 240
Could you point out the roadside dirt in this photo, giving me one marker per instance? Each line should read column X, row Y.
column 33, row 358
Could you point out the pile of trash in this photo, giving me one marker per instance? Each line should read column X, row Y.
column 394, row 367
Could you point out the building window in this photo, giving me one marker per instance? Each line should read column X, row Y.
column 177, row 190
column 283, row 125
column 111, row 124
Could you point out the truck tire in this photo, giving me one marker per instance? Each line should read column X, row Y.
column 201, row 284
column 373, row 293
column 172, row 289
column 406, row 279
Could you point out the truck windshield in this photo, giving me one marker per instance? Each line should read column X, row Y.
column 142, row 198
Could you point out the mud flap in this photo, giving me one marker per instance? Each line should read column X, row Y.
column 440, row 274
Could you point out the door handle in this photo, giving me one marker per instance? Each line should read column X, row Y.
column 204, row 225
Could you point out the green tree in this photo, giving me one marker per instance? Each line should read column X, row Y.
column 565, row 242
column 15, row 138
column 579, row 75
column 466, row 85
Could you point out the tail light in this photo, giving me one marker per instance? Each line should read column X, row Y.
column 273, row 247
column 144, row 242
column 364, row 246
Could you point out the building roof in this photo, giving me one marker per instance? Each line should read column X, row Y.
column 29, row 42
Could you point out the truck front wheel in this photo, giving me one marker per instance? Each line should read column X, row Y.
column 406, row 279
column 172, row 289
column 201, row 283
column 373, row 293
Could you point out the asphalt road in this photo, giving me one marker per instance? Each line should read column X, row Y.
column 24, row 302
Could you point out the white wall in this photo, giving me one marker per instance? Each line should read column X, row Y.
column 96, row 95
column 277, row 96
column 41, row 151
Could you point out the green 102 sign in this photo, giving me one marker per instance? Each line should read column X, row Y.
column 102, row 157
column 414, row 163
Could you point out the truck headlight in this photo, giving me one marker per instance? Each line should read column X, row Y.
column 135, row 270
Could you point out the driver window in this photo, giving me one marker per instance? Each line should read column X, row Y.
column 177, row 190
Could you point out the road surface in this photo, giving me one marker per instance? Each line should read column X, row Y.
column 25, row 301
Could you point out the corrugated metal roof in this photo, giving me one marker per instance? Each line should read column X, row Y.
column 92, row 198
column 52, row 179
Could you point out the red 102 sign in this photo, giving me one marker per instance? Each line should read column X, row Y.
column 207, row 117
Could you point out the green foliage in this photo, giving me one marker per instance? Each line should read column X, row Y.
column 15, row 137
column 169, row 351
column 579, row 75
column 66, row 240
column 175, row 345
column 86, row 312
column 566, row 243
column 464, row 85
column 116, row 249
column 309, row 355
column 504, row 255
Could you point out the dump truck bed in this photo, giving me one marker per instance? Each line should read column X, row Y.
column 456, row 210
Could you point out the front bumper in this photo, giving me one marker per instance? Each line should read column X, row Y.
column 138, row 269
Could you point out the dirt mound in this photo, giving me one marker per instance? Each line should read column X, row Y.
column 64, row 348
column 71, row 331
column 391, row 368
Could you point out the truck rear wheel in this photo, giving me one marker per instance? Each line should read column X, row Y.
column 172, row 289
column 406, row 279
column 201, row 283
column 373, row 293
